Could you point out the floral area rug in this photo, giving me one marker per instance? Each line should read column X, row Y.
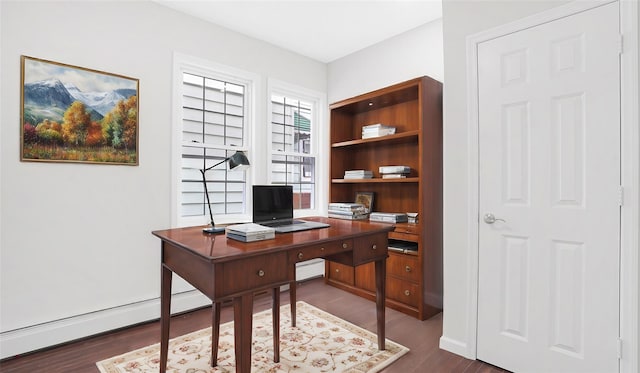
column 320, row 342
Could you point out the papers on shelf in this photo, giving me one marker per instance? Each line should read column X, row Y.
column 388, row 217
column 348, row 211
column 377, row 130
column 394, row 172
column 394, row 176
column 345, row 206
column 358, row 174
column 394, row 169
column 348, row 217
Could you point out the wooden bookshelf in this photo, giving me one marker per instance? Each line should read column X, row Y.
column 414, row 108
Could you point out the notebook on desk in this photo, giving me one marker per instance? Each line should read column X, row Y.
column 273, row 207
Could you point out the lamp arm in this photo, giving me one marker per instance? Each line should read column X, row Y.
column 238, row 159
column 206, row 193
column 217, row 164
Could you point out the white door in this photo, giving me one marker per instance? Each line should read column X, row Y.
column 549, row 169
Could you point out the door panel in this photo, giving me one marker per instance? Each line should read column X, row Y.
column 549, row 169
column 514, row 263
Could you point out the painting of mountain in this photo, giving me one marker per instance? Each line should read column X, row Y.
column 47, row 99
column 76, row 114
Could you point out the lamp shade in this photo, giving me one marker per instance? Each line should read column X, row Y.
column 238, row 161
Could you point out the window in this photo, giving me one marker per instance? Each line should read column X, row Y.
column 293, row 159
column 216, row 110
column 213, row 124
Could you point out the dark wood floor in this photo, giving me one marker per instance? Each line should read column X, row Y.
column 421, row 337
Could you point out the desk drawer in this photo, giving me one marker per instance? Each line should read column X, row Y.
column 403, row 266
column 320, row 251
column 403, row 291
column 341, row 273
column 403, row 236
column 370, row 248
column 407, row 228
column 253, row 273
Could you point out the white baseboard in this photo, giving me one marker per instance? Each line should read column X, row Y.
column 309, row 269
column 32, row 338
column 455, row 346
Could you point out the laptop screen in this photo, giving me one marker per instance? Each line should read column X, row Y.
column 272, row 202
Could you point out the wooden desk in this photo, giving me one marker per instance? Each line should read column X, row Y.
column 223, row 269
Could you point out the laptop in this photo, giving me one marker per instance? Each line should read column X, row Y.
column 273, row 207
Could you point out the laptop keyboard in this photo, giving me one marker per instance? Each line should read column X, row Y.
column 282, row 223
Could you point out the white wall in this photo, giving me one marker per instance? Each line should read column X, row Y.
column 406, row 56
column 75, row 239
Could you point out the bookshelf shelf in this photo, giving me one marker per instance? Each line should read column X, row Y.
column 398, row 137
column 414, row 108
column 375, row 180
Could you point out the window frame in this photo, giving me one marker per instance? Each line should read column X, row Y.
column 319, row 139
column 197, row 66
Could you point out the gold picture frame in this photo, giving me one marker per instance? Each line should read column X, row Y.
column 74, row 114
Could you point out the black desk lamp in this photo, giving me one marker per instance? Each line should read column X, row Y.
column 238, row 161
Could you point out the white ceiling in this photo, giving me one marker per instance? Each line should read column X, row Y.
column 322, row 30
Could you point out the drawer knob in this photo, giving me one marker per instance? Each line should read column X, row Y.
column 374, row 246
column 337, row 270
column 322, row 249
column 261, row 273
column 300, row 256
column 344, row 245
column 407, row 292
column 407, row 269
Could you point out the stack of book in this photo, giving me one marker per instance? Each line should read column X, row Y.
column 388, row 217
column 358, row 174
column 394, row 172
column 348, row 211
column 249, row 232
column 377, row 130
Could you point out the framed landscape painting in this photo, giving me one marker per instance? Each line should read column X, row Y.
column 74, row 114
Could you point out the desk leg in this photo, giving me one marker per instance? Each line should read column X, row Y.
column 292, row 300
column 165, row 315
column 215, row 333
column 275, row 312
column 381, row 275
column 243, row 319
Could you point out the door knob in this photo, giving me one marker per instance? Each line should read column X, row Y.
column 489, row 218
